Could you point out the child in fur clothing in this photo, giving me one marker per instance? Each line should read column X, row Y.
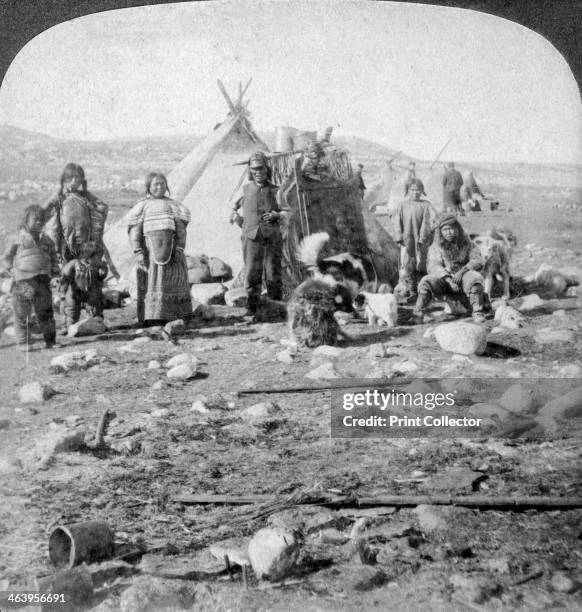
column 82, row 284
column 32, row 261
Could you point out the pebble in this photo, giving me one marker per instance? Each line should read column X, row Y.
column 182, row 372
column 199, row 406
column 181, row 359
column 154, row 365
column 259, row 411
column 273, row 552
column 531, row 302
column 285, row 357
column 562, row 583
column 35, row 392
column 158, row 385
column 325, row 371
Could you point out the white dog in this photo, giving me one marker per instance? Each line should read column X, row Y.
column 380, row 308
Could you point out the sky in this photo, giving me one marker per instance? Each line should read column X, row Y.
column 408, row 76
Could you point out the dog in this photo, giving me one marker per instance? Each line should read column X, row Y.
column 313, row 304
column 380, row 308
column 496, row 253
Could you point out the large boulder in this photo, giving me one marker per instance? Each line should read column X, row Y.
column 462, row 337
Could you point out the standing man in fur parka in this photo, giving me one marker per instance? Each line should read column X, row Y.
column 415, row 220
column 454, row 263
column 262, row 242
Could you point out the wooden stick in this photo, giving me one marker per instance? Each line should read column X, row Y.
column 531, row 576
column 229, row 568
column 346, row 383
column 402, row 501
column 440, row 153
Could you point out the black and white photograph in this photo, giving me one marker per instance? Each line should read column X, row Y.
column 290, row 306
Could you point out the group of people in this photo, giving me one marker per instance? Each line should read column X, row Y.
column 64, row 240
column 437, row 257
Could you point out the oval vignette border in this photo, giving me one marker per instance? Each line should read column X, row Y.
column 556, row 22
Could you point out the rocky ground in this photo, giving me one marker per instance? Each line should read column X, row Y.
column 172, row 437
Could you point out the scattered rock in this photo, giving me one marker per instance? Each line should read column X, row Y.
column 199, row 406
column 332, row 536
column 285, row 357
column 330, row 352
column 551, row 336
column 571, row 292
column 75, row 361
column 35, row 392
column 150, row 594
column 203, row 311
column 562, row 583
column 531, row 302
column 461, row 337
column 181, row 359
column 208, row 293
column 154, row 365
column 273, row 553
column 158, row 385
column 259, row 411
column 430, row 518
column 87, row 327
column 235, row 548
column 406, row 367
column 550, row 281
column 498, row 564
column 175, row 328
column 160, row 413
column 182, row 372
column 236, row 297
column 508, row 317
column 325, row 371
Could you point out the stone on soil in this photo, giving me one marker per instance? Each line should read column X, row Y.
column 208, row 293
column 181, row 359
column 430, row 518
column 285, row 357
column 452, row 478
column 35, row 392
column 182, row 372
column 562, row 583
column 236, row 297
column 462, row 338
column 531, row 302
column 87, row 327
column 154, row 365
column 259, row 411
column 325, row 371
column 508, row 317
column 330, row 352
column 273, row 553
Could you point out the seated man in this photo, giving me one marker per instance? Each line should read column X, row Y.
column 454, row 262
column 314, row 168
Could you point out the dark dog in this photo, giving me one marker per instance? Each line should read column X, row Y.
column 312, row 307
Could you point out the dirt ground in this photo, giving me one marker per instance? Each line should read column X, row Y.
column 472, row 560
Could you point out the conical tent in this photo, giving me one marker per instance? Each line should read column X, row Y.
column 205, row 181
